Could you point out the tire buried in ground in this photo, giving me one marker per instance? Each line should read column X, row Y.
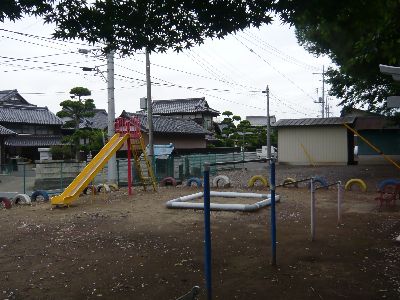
column 168, row 181
column 256, row 178
column 21, row 199
column 196, row 180
column 225, row 181
column 5, row 202
column 41, row 194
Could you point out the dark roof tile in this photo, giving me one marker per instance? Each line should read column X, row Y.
column 6, row 131
column 98, row 121
column 28, row 115
column 176, row 106
column 163, row 124
column 33, row 140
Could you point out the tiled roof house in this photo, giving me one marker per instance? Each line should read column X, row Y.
column 184, row 134
column 98, row 121
column 196, row 109
column 24, row 127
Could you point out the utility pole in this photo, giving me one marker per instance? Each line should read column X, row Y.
column 327, row 108
column 112, row 163
column 268, row 125
column 149, row 108
column 321, row 100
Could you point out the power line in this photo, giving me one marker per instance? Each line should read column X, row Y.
column 278, row 52
column 275, row 69
column 47, row 39
column 11, row 59
column 31, row 43
column 198, row 75
column 187, row 87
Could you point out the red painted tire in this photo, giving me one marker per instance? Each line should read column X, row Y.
column 168, row 181
column 5, row 202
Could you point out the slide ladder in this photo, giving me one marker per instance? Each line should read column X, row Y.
column 142, row 163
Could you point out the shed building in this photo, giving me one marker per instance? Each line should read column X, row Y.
column 315, row 141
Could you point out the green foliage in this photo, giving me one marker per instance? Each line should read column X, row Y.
column 242, row 134
column 87, row 139
column 357, row 35
column 132, row 25
column 76, row 110
column 80, row 92
column 62, row 152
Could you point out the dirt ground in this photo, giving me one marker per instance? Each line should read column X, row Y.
column 118, row 247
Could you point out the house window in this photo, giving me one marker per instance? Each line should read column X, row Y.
column 28, row 129
column 44, row 130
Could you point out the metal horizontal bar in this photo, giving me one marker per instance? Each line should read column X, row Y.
column 324, row 187
column 222, row 163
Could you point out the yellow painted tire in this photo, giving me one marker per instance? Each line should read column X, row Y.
column 255, row 178
column 289, row 181
column 358, row 182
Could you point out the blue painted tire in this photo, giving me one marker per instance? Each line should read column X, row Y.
column 321, row 180
column 194, row 179
column 40, row 193
column 390, row 181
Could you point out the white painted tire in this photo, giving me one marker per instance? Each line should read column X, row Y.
column 113, row 187
column 100, row 188
column 224, row 179
column 21, row 199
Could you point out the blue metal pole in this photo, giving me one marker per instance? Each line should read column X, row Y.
column 207, row 230
column 273, row 217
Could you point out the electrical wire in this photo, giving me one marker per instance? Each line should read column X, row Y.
column 275, row 69
column 278, row 53
column 47, row 39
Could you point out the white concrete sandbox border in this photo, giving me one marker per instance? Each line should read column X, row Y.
column 183, row 202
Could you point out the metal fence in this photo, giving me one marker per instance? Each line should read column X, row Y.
column 57, row 175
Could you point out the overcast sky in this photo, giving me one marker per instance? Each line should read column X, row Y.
column 229, row 73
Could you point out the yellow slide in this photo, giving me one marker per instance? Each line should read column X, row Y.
column 72, row 192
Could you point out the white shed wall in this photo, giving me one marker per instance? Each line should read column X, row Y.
column 325, row 145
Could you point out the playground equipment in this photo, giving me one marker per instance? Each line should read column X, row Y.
column 21, row 199
column 321, row 180
column 390, row 181
column 168, row 180
column 221, row 178
column 196, row 180
column 290, row 181
column 388, row 194
column 182, row 202
column 339, row 203
column 355, row 181
column 255, row 178
column 42, row 194
column 207, row 208
column 5, row 202
column 127, row 130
